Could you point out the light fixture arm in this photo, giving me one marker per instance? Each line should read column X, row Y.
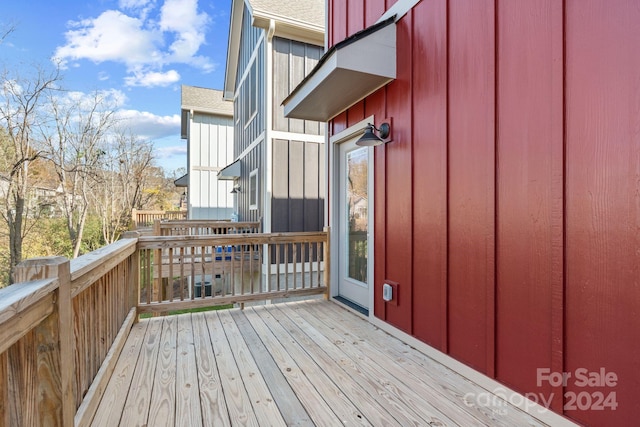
column 369, row 137
column 383, row 131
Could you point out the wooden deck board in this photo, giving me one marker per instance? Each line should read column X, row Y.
column 136, row 410
column 236, row 397
column 257, row 390
column 163, row 399
column 451, row 385
column 188, row 412
column 115, row 395
column 292, row 410
column 300, row 363
column 214, row 407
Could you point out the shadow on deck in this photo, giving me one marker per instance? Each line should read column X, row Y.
column 301, row 363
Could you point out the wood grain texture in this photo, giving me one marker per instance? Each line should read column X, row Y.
column 471, row 183
column 321, row 360
column 237, row 401
column 214, row 406
column 136, row 409
column 603, row 201
column 429, row 107
column 188, row 412
column 318, row 409
column 399, row 185
column 263, row 403
column 91, row 400
column 529, row 195
column 113, row 402
column 290, row 407
column 162, row 407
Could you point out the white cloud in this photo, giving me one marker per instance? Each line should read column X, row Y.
column 150, row 126
column 112, row 36
column 152, row 78
column 168, row 152
column 181, row 18
column 145, row 39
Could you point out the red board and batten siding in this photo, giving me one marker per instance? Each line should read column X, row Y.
column 508, row 205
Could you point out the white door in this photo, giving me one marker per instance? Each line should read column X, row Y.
column 354, row 210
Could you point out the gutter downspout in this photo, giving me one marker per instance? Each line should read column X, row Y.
column 268, row 147
column 268, row 142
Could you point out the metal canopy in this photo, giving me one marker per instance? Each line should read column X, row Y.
column 230, row 172
column 347, row 73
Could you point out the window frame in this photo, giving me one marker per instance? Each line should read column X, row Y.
column 253, row 192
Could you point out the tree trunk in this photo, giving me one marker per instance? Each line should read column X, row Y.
column 15, row 236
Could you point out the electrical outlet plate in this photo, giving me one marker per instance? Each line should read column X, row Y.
column 387, row 292
column 390, row 292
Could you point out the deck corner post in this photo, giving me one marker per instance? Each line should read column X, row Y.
column 327, row 264
column 55, row 397
column 157, row 229
column 134, row 219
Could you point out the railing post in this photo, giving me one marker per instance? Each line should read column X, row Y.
column 327, row 263
column 157, row 230
column 134, row 219
column 53, row 344
column 134, row 273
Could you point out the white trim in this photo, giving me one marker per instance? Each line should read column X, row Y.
column 333, row 160
column 251, row 175
column 250, row 62
column 292, row 136
column 400, row 8
column 498, row 389
column 267, row 154
column 351, row 131
column 251, row 146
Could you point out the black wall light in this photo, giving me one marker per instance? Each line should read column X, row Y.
column 370, row 139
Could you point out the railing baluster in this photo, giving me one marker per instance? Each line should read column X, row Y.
column 170, row 279
column 278, row 248
column 181, row 274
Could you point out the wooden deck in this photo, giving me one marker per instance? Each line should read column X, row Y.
column 301, row 363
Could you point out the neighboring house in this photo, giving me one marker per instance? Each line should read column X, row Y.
column 207, row 125
column 278, row 166
column 505, row 212
column 43, row 199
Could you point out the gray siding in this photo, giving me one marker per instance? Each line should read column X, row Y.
column 298, row 186
column 292, row 61
column 248, row 124
column 253, row 160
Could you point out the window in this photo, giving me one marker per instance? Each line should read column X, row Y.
column 253, row 189
column 250, row 94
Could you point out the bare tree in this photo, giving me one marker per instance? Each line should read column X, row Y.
column 76, row 146
column 125, row 175
column 5, row 31
column 21, row 98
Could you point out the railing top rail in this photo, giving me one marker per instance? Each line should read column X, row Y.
column 159, row 242
column 206, row 223
column 145, row 212
column 17, row 298
column 86, row 269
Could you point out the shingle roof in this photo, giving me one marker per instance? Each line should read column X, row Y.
column 307, row 11
column 207, row 100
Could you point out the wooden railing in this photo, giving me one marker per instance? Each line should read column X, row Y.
column 61, row 330
column 64, row 324
column 202, row 227
column 181, row 272
column 143, row 219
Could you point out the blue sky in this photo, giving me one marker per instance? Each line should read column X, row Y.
column 141, row 51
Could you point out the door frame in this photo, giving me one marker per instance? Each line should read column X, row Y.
column 333, row 147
